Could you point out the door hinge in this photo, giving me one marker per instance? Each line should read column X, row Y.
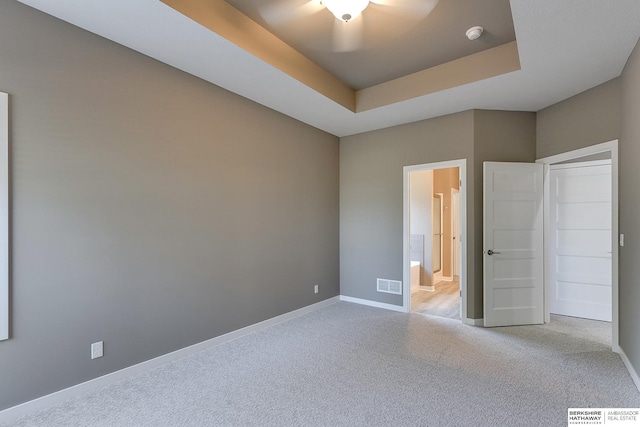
column 460, row 183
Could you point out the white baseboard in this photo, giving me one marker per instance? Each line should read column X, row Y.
column 632, row 371
column 44, row 402
column 473, row 322
column 373, row 303
column 466, row 321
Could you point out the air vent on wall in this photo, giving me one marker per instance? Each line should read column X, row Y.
column 390, row 286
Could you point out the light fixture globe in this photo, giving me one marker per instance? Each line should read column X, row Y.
column 346, row 10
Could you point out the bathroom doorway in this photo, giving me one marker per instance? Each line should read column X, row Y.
column 433, row 233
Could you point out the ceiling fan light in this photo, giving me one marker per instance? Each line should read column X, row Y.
column 346, row 10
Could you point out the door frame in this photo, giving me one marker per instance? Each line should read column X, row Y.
column 461, row 164
column 436, row 276
column 551, row 252
column 612, row 148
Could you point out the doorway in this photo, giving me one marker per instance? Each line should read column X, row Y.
column 579, row 256
column 434, row 278
column 606, row 153
column 532, row 304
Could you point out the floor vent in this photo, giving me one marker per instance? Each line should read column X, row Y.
column 390, row 286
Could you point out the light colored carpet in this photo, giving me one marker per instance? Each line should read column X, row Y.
column 351, row 365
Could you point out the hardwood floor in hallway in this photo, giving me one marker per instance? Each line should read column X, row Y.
column 444, row 301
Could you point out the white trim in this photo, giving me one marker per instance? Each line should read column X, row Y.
column 370, row 303
column 580, row 164
column 473, row 322
column 632, row 371
column 581, row 152
column 4, row 216
column 610, row 146
column 44, row 402
column 406, row 238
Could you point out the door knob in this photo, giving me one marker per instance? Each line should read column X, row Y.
column 490, row 252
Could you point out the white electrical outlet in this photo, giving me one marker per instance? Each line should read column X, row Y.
column 97, row 349
column 315, row 289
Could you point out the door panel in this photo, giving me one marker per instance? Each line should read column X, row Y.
column 580, row 250
column 455, row 232
column 513, row 251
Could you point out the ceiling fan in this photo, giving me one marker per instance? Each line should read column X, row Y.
column 344, row 25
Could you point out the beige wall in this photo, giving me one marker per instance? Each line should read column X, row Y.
column 151, row 210
column 630, row 210
column 588, row 118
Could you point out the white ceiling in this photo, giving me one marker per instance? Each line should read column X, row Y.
column 565, row 46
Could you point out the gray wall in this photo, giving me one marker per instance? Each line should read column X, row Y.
column 630, row 210
column 588, row 118
column 499, row 136
column 607, row 112
column 371, row 166
column 371, row 191
column 151, row 210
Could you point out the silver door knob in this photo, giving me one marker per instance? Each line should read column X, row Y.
column 490, row 252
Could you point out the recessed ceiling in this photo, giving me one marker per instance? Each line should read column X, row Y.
column 563, row 48
column 394, row 44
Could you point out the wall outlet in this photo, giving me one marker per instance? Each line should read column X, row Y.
column 315, row 289
column 97, row 349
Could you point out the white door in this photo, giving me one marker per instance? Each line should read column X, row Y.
column 436, row 253
column 455, row 230
column 513, row 247
column 580, row 236
column 455, row 239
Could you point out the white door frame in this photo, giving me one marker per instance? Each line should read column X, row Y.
column 573, row 306
column 437, row 275
column 4, row 216
column 406, row 238
column 612, row 147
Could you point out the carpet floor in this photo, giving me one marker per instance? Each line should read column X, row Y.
column 351, row 365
